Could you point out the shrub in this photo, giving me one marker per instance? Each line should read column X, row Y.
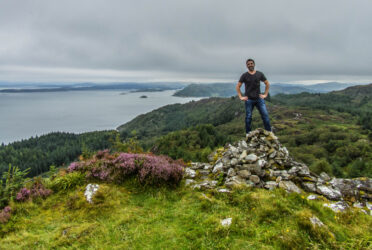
column 37, row 190
column 5, row 214
column 66, row 182
column 149, row 169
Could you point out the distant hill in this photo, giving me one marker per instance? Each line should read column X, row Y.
column 228, row 89
column 356, row 100
column 147, row 87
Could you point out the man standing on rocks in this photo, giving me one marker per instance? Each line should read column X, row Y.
column 252, row 96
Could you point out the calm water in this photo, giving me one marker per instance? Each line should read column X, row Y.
column 23, row 115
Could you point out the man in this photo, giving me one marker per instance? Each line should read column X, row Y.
column 252, row 95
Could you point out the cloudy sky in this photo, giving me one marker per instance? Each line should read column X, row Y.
column 184, row 40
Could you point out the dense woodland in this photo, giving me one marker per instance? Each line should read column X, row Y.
column 54, row 149
column 329, row 132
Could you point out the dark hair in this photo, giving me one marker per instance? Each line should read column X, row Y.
column 250, row 60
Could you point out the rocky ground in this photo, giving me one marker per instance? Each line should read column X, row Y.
column 261, row 161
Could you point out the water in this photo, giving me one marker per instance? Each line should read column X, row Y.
column 23, row 115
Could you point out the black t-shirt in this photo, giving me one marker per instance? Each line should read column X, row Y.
column 252, row 84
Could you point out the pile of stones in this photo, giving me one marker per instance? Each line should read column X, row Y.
column 261, row 161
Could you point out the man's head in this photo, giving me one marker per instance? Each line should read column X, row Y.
column 250, row 64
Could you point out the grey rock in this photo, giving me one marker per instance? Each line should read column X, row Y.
column 309, row 186
column 218, row 167
column 289, row 186
column 283, row 173
column 243, row 155
column 271, row 185
column 204, row 172
column 325, row 176
column 316, row 222
column 358, row 205
column 234, row 162
column 312, row 197
column 223, row 190
column 242, row 144
column 231, row 172
column 190, row 173
column 330, row 193
column 253, row 168
column 207, row 166
column 244, row 173
column 235, row 180
column 255, row 179
column 189, row 182
column 251, row 158
column 338, row 206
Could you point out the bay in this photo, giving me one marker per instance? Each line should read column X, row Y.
column 23, row 115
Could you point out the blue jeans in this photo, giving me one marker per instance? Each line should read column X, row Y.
column 260, row 105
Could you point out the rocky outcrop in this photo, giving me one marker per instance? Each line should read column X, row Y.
column 261, row 161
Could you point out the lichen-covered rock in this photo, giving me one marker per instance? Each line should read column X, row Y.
column 289, row 186
column 316, row 222
column 244, row 173
column 271, row 185
column 330, row 193
column 190, row 173
column 309, row 186
column 339, row 206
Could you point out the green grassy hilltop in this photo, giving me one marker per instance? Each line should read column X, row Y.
column 129, row 216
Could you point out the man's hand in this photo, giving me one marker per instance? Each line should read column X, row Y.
column 243, row 98
column 263, row 96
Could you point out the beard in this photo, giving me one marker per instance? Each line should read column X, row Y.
column 251, row 68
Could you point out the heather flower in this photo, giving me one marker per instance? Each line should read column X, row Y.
column 73, row 166
column 23, row 195
column 149, row 168
column 5, row 214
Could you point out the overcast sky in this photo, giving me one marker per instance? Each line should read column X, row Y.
column 184, row 40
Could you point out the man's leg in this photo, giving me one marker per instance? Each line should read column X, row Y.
column 249, row 104
column 261, row 106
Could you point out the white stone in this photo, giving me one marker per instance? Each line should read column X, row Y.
column 316, row 222
column 358, row 205
column 312, row 197
column 223, row 190
column 261, row 163
column 90, row 190
column 231, row 172
column 189, row 181
column 271, row 185
column 243, row 155
column 251, row 157
column 190, row 173
column 289, row 186
column 207, row 166
column 226, row 222
column 218, row 167
column 337, row 207
column 329, row 192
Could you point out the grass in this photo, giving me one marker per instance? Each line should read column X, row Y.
column 133, row 217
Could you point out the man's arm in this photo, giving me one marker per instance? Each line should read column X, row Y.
column 243, row 98
column 266, row 89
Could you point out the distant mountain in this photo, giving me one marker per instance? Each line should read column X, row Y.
column 228, row 89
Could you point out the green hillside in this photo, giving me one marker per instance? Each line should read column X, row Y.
column 356, row 100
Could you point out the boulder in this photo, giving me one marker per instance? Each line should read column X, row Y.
column 330, row 193
column 289, row 186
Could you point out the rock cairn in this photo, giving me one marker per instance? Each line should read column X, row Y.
column 261, row 161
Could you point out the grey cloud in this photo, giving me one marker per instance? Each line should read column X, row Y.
column 205, row 39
